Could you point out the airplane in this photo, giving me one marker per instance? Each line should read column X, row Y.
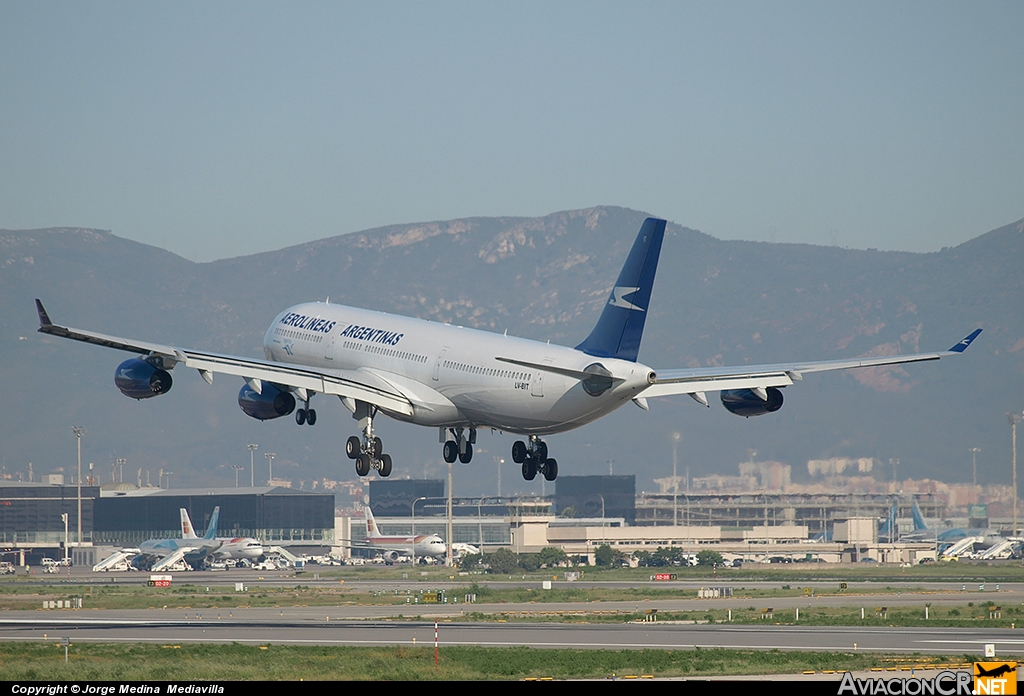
column 231, row 548
column 157, row 554
column 889, row 529
column 419, row 546
column 459, row 550
column 460, row 380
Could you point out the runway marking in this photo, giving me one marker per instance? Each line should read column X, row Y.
column 495, row 644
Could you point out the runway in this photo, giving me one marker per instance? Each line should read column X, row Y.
column 315, row 627
column 370, row 624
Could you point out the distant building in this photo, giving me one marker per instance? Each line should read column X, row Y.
column 394, row 498
column 30, row 513
column 281, row 515
column 596, row 496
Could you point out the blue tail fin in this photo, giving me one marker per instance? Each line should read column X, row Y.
column 919, row 523
column 211, row 529
column 618, row 331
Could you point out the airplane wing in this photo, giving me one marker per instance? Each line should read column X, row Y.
column 696, row 381
column 354, row 384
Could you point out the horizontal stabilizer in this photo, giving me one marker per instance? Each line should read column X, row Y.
column 564, row 371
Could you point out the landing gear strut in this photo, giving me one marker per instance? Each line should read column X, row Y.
column 306, row 414
column 534, row 458
column 367, row 452
column 461, row 447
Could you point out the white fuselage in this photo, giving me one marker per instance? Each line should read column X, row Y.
column 419, row 545
column 160, row 548
column 238, row 548
column 452, row 374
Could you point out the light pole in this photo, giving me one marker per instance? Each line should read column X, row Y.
column 1014, row 420
column 252, row 465
column 480, row 524
column 448, row 561
column 270, row 458
column 237, row 468
column 79, row 431
column 64, row 517
column 422, row 497
column 675, row 482
column 974, row 467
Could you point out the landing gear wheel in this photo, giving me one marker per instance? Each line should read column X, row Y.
column 352, row 447
column 540, row 451
column 550, row 469
column 529, row 468
column 519, row 451
column 451, row 451
column 310, row 416
column 300, row 416
column 363, row 464
column 378, row 448
column 385, row 465
column 467, row 456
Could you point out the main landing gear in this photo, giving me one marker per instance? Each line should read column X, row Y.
column 306, row 415
column 368, row 452
column 461, row 447
column 534, row 458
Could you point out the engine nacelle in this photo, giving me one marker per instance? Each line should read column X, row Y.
column 600, row 380
column 744, row 402
column 391, row 557
column 272, row 403
column 139, row 379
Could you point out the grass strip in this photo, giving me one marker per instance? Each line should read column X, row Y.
column 192, row 662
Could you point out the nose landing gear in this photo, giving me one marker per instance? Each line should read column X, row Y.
column 534, row 458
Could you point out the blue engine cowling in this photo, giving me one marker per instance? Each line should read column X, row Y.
column 272, row 403
column 744, row 402
column 139, row 379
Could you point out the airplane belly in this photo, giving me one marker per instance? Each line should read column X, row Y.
column 430, row 407
column 563, row 406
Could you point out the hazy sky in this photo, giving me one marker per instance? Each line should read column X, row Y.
column 223, row 129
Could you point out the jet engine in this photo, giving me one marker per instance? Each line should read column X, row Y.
column 391, row 557
column 600, row 380
column 747, row 402
column 272, row 403
column 139, row 379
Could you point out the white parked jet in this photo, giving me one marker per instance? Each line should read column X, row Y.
column 458, row 379
column 418, row 546
column 231, row 548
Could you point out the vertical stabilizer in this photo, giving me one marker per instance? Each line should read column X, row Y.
column 371, row 526
column 618, row 331
column 211, row 530
column 919, row 523
column 187, row 530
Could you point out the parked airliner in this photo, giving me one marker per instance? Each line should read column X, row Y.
column 157, row 554
column 230, row 548
column 459, row 380
column 418, row 546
